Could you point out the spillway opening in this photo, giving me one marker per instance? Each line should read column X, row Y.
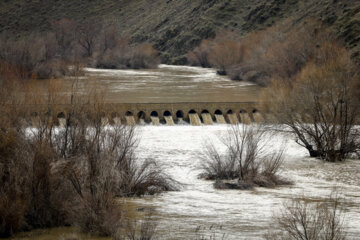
column 192, row 111
column 244, row 116
column 167, row 113
column 256, row 116
column 155, row 118
column 231, row 117
column 219, row 117
column 141, row 117
column 129, row 118
column 218, row 112
column 180, row 117
column 180, row 114
column 194, row 118
column 168, row 118
column 154, row 114
column 206, row 118
column 128, row 114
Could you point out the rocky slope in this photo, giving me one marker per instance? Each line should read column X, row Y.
column 177, row 26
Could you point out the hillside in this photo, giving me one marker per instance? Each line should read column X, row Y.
column 175, row 27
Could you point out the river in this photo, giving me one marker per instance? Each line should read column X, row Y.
column 166, row 84
column 233, row 213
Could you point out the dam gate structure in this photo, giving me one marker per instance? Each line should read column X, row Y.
column 195, row 113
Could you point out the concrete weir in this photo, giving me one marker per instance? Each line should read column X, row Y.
column 194, row 113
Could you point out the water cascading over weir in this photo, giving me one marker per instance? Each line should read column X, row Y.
column 194, row 118
column 168, row 118
column 206, row 118
column 155, row 118
column 170, row 114
column 219, row 117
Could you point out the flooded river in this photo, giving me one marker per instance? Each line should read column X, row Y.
column 167, row 84
column 241, row 214
column 237, row 214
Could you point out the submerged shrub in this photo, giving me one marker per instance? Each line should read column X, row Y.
column 300, row 219
column 245, row 160
column 321, row 106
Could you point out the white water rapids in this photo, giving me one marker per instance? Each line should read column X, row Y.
column 240, row 214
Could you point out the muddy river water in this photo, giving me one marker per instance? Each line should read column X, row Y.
column 166, row 84
column 235, row 214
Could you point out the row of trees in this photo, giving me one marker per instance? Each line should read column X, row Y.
column 90, row 43
column 280, row 51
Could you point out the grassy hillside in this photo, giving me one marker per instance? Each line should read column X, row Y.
column 175, row 26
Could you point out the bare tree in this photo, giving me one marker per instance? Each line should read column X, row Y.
column 321, row 107
column 88, row 35
column 245, row 160
column 302, row 220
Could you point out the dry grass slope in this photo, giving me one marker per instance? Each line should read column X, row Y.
column 175, row 27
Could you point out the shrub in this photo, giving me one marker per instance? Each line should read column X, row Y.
column 200, row 55
column 244, row 160
column 311, row 221
column 280, row 51
column 53, row 176
column 324, row 95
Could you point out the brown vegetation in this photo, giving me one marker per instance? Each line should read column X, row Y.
column 323, row 94
column 244, row 161
column 300, row 219
column 46, row 55
column 314, row 84
column 280, row 51
column 53, row 176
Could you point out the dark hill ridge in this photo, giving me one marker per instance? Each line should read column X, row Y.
column 177, row 26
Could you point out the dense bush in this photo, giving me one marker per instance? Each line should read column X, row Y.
column 301, row 219
column 245, row 160
column 53, row 176
column 324, row 94
column 280, row 51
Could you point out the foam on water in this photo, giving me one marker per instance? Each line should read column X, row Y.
column 242, row 214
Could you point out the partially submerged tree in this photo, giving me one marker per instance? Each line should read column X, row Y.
column 246, row 160
column 320, row 107
column 305, row 220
